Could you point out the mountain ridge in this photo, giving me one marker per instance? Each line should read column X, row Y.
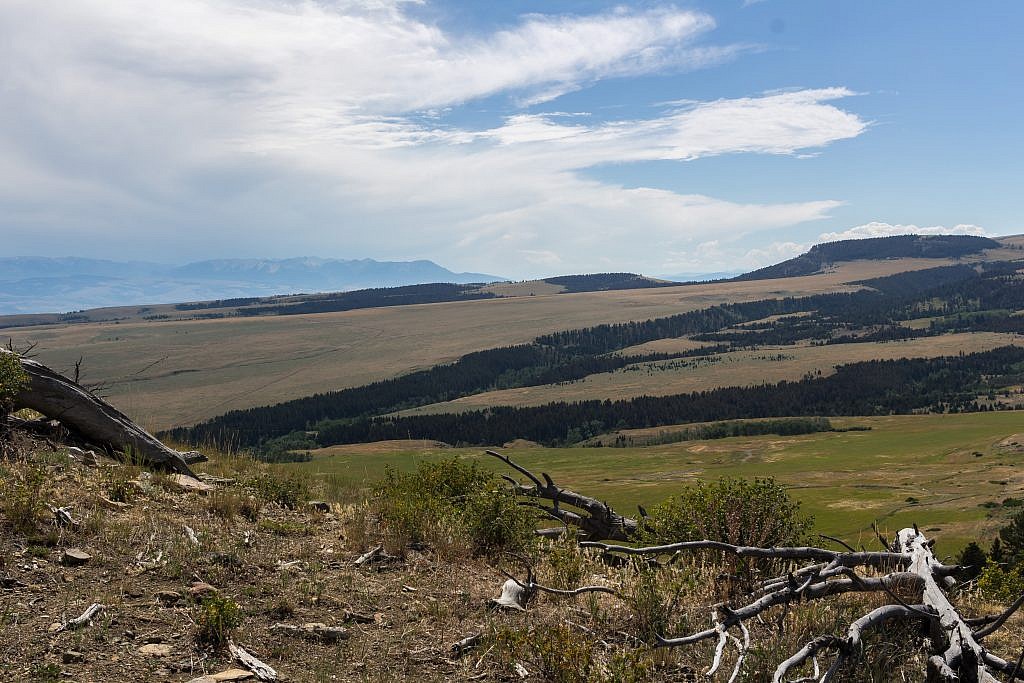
column 35, row 284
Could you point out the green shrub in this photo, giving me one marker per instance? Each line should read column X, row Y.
column 216, row 619
column 653, row 597
column 565, row 655
column 455, row 496
column 21, row 498
column 1001, row 585
column 286, row 491
column 12, row 379
column 738, row 511
column 564, row 563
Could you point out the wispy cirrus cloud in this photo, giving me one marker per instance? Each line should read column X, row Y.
column 277, row 127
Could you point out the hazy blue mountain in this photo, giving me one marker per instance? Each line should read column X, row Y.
column 41, row 284
column 701, row 277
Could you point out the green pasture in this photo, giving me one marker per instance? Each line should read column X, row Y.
column 938, row 471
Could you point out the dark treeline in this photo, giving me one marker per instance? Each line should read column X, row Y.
column 785, row 426
column 875, row 248
column 219, row 303
column 867, row 388
column 959, row 298
column 500, row 368
column 605, row 281
column 374, row 298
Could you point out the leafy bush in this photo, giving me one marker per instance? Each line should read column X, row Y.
column 21, row 498
column 12, row 379
column 457, row 496
column 738, row 511
column 1001, row 585
column 286, row 491
column 216, row 618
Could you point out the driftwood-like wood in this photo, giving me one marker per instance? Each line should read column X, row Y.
column 61, row 398
column 595, row 519
column 261, row 670
column 909, row 565
column 84, row 620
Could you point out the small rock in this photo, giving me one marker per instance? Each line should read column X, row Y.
column 223, row 676
column 73, row 657
column 54, row 627
column 149, row 640
column 168, row 597
column 187, row 484
column 155, row 650
column 200, row 590
column 74, row 557
column 232, row 675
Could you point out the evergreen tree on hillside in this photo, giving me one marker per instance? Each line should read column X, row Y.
column 1012, row 537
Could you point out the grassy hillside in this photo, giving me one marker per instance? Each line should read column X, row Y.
column 921, row 469
column 201, row 368
column 900, row 246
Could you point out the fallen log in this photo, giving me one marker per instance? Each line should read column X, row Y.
column 260, row 669
column 956, row 650
column 61, row 398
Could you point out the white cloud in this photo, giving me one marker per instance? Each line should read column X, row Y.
column 879, row 229
column 730, row 256
column 278, row 127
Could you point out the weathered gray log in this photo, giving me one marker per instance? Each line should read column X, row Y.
column 957, row 654
column 61, row 398
column 962, row 654
column 598, row 521
column 84, row 620
column 261, row 670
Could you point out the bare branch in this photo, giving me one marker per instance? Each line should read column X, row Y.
column 1000, row 620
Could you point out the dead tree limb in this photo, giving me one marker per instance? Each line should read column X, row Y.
column 596, row 519
column 84, row 620
column 60, row 398
column 957, row 654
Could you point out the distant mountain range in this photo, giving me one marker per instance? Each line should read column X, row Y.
column 40, row 284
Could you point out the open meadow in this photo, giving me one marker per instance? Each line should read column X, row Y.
column 947, row 473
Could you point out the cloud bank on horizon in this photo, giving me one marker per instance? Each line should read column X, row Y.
column 347, row 128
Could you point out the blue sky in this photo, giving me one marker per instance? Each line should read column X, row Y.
column 519, row 138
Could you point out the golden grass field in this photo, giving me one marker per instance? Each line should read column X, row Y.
column 769, row 364
column 178, row 372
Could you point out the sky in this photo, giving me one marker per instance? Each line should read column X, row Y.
column 513, row 137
